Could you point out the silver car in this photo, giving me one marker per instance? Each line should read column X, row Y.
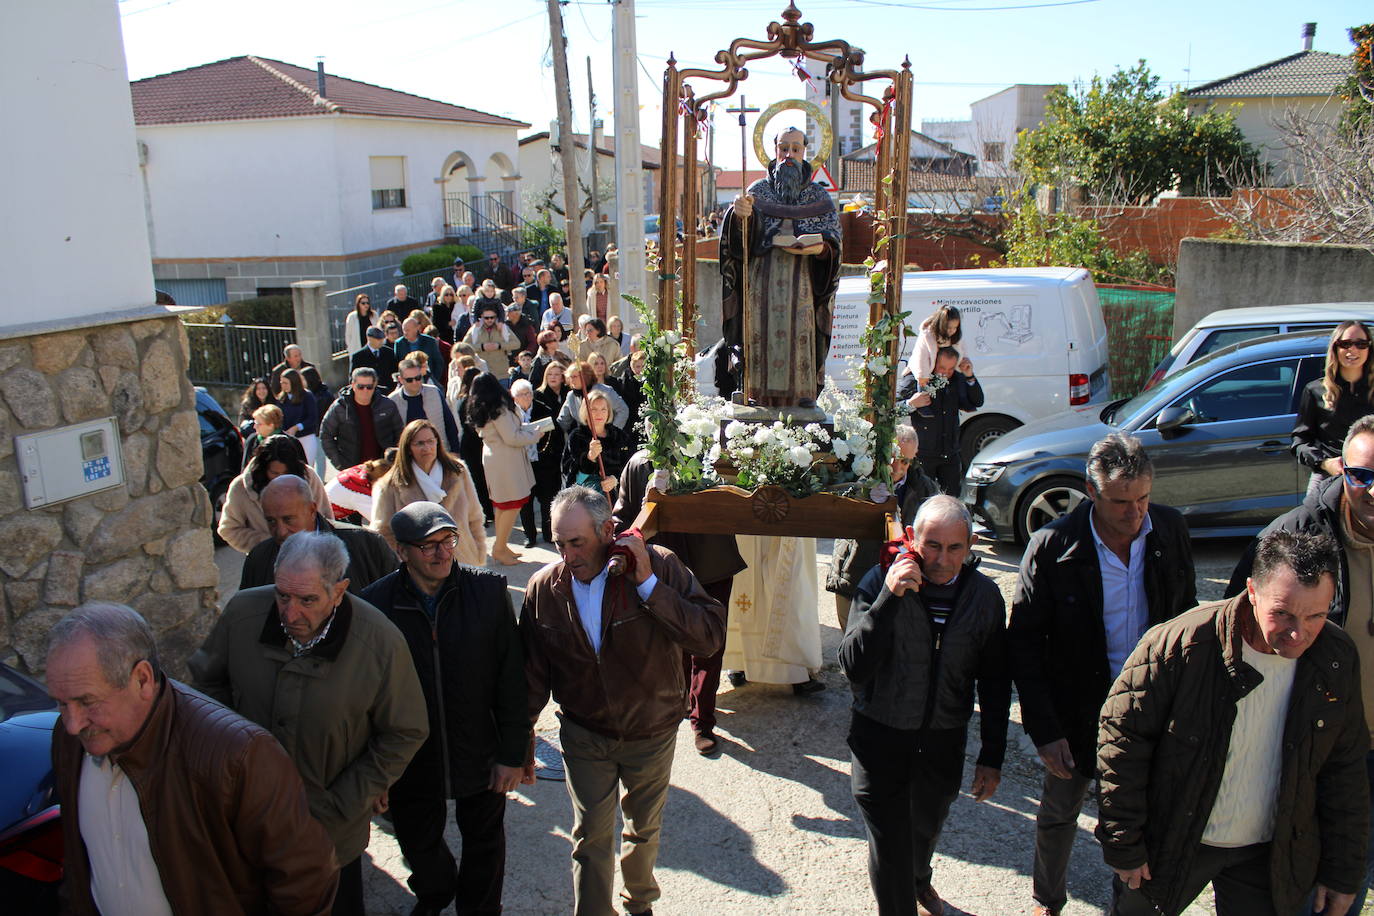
column 1217, row 430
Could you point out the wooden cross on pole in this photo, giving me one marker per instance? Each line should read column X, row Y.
column 742, row 110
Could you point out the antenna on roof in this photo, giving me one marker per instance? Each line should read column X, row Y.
column 319, row 77
column 1309, row 31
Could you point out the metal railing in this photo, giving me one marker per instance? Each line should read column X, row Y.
column 339, row 305
column 233, row 354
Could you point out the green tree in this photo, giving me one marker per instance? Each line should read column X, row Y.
column 1122, row 139
column 1358, row 92
column 1035, row 239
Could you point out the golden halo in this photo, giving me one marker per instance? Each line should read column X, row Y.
column 811, row 108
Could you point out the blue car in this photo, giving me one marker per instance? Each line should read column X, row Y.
column 30, row 818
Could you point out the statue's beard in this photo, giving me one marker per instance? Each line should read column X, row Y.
column 789, row 178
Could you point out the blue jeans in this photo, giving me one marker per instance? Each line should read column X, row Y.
column 1369, row 854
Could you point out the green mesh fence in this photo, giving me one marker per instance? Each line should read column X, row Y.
column 1140, row 330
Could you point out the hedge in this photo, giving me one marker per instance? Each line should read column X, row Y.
column 266, row 311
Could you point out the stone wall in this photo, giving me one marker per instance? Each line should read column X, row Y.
column 147, row 544
column 1214, row 274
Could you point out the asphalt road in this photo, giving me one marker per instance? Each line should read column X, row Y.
column 769, row 826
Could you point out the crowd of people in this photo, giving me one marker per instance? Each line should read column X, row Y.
column 372, row 664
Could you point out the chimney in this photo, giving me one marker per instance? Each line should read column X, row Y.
column 1309, row 30
column 319, row 78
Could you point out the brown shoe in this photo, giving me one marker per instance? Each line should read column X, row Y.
column 928, row 903
column 707, row 743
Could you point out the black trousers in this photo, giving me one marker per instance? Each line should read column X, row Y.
column 947, row 472
column 435, row 878
column 904, row 782
column 1239, row 878
column 349, row 899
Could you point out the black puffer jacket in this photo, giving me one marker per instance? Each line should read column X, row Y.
column 937, row 426
column 472, row 671
column 1166, row 728
column 1057, row 638
column 339, row 436
column 1320, row 515
column 903, row 678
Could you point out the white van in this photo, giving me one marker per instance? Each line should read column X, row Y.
column 1035, row 336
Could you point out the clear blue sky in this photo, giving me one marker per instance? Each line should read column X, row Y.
column 494, row 56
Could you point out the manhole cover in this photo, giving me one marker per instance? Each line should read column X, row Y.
column 548, row 759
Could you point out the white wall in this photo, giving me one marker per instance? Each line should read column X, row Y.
column 301, row 187
column 73, row 198
column 999, row 117
column 426, row 146
column 1258, row 119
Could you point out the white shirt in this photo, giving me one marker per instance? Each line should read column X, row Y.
column 587, row 596
column 1125, row 615
column 1243, row 813
column 124, row 877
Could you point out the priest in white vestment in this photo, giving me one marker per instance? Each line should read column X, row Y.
column 774, row 630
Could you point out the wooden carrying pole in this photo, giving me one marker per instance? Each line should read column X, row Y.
column 667, row 199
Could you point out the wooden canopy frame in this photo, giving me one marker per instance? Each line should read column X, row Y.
column 684, row 113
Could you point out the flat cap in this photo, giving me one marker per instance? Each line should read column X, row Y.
column 419, row 520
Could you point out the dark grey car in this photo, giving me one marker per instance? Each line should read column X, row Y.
column 1217, row 430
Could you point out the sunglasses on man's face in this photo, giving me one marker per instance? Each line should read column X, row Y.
column 411, row 378
column 364, row 387
column 1358, row 477
column 1347, row 344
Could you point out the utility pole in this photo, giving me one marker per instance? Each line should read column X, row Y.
column 591, row 145
column 629, row 162
column 567, row 149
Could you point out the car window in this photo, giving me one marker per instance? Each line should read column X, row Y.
column 1247, row 392
column 1224, row 337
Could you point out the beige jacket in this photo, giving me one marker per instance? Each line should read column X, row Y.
column 388, row 498
column 498, row 360
column 509, row 475
column 242, row 524
column 606, row 346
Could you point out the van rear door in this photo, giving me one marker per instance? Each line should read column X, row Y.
column 1088, row 378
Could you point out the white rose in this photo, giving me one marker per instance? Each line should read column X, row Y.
column 840, row 448
column 671, row 337
column 734, row 429
column 746, row 452
column 800, row 455
column 878, row 366
column 691, row 448
column 863, row 466
column 858, row 444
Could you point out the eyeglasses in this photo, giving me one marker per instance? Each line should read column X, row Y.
column 411, row 378
column 1347, row 344
column 432, row 548
column 364, row 387
column 1359, row 478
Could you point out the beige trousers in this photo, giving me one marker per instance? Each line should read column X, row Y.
column 596, row 768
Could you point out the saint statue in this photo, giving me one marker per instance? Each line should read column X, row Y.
column 780, row 259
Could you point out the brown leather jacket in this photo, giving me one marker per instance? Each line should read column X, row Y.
column 635, row 687
column 226, row 814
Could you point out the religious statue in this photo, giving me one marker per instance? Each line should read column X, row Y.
column 780, row 263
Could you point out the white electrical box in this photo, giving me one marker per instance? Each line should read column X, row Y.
column 62, row 464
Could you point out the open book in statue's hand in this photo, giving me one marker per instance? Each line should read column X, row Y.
column 797, row 241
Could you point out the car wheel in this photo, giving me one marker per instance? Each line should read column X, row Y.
column 978, row 433
column 1048, row 500
column 217, row 498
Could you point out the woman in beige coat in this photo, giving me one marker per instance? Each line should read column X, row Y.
column 424, row 470
column 510, row 477
column 242, row 524
column 597, row 342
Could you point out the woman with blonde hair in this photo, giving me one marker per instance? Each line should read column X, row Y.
column 424, row 470
column 597, row 449
column 581, row 378
column 444, row 305
column 1330, row 404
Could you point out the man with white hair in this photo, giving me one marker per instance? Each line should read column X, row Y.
column 522, row 392
column 334, row 682
column 401, row 302
column 556, row 312
column 921, row 634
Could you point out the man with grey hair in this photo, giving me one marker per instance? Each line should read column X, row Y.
column 851, row 559
column 294, row 358
column 421, row 400
column 359, row 426
column 522, row 392
column 923, row 631
column 171, row 803
column 1091, row 583
column 332, row 679
column 608, row 648
column 289, row 507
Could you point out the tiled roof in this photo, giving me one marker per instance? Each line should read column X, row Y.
column 1307, row 73
column 649, row 154
column 244, row 88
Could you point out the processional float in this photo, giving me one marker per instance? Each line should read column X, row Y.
column 770, row 510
